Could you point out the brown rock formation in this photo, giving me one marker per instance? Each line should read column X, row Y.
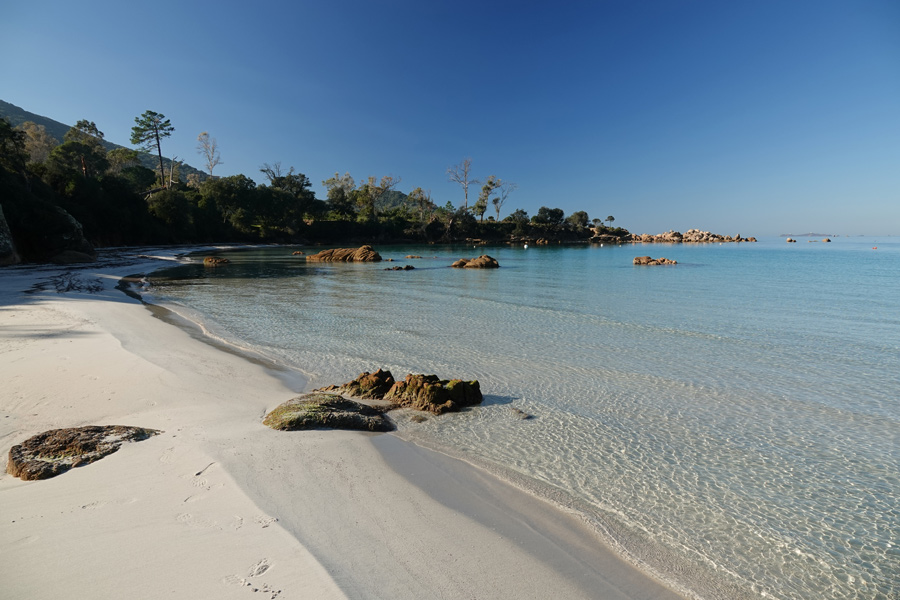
column 368, row 386
column 53, row 452
column 691, row 236
column 429, row 393
column 214, row 261
column 646, row 260
column 482, row 262
column 361, row 254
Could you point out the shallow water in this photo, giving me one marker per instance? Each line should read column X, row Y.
column 730, row 422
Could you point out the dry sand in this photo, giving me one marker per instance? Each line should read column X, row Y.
column 219, row 506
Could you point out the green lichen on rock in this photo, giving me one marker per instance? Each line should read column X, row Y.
column 320, row 410
column 432, row 394
column 56, row 451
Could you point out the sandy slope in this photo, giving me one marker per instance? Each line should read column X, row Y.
column 219, row 506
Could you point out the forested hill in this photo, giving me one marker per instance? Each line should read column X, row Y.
column 16, row 116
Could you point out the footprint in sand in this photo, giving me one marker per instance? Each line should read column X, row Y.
column 256, row 570
column 168, row 456
column 196, row 522
column 264, row 520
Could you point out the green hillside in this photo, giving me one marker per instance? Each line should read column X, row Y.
column 17, row 116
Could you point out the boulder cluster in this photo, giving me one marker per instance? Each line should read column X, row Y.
column 693, row 236
column 482, row 262
column 646, row 260
column 421, row 392
column 361, row 254
column 56, row 451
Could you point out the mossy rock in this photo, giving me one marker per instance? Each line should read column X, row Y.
column 432, row 394
column 320, row 410
column 56, row 451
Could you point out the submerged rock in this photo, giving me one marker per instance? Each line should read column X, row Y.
column 56, row 451
column 215, row 261
column 430, row 393
column 329, row 411
column 368, row 386
column 361, row 254
column 482, row 262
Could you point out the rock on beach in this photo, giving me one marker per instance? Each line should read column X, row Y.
column 53, row 452
column 321, row 410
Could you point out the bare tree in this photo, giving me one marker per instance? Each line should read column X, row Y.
column 506, row 188
column 209, row 149
column 462, row 174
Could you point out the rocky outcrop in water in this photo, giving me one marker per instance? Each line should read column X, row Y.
column 691, row 236
column 320, row 410
column 215, row 261
column 421, row 392
column 482, row 262
column 646, row 260
column 432, row 394
column 56, row 451
column 361, row 254
column 368, row 386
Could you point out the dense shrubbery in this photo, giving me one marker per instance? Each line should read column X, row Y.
column 118, row 202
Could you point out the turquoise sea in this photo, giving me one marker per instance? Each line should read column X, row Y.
column 730, row 423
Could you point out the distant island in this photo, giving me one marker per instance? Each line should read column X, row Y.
column 808, row 235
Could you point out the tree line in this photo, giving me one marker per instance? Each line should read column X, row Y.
column 117, row 201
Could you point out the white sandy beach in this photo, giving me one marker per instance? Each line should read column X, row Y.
column 219, row 506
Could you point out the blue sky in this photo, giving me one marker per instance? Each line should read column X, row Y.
column 755, row 117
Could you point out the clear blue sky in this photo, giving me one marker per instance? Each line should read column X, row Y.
column 737, row 116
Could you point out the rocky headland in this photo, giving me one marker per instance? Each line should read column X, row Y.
column 691, row 236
